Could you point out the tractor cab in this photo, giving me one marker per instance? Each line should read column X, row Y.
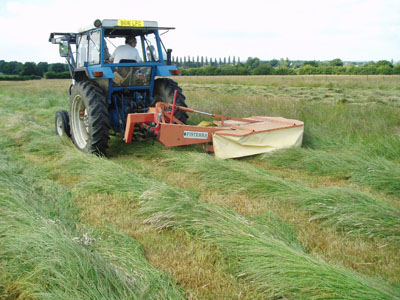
column 89, row 51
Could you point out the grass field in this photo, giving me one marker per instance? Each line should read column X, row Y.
column 317, row 222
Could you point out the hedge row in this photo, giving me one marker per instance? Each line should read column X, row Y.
column 19, row 78
column 53, row 75
column 266, row 69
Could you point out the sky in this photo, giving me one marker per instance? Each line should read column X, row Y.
column 352, row 30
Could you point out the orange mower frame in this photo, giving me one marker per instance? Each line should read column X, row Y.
column 171, row 132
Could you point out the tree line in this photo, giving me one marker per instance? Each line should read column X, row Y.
column 191, row 62
column 14, row 70
column 254, row 66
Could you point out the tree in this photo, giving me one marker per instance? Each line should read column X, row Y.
column 252, row 63
column 283, row 63
column 337, row 62
column 396, row 68
column 384, row 70
column 29, row 68
column 311, row 63
column 57, row 68
column 384, row 63
column 306, row 70
column 264, row 69
column 11, row 68
column 274, row 62
column 42, row 68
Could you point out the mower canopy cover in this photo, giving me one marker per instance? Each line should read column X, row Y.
column 265, row 136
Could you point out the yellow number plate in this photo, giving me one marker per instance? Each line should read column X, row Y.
column 131, row 23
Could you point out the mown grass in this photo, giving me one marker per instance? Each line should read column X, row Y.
column 88, row 177
column 46, row 253
column 356, row 249
column 365, row 82
column 345, row 209
column 267, row 255
column 272, row 230
column 256, row 242
column 375, row 172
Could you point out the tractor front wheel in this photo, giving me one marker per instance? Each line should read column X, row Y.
column 164, row 90
column 62, row 123
column 89, row 119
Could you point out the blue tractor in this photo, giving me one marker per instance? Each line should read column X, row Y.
column 103, row 93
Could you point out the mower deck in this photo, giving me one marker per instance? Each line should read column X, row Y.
column 230, row 137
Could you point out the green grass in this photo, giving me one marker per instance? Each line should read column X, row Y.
column 336, row 81
column 345, row 209
column 266, row 255
column 45, row 253
column 319, row 222
column 356, row 166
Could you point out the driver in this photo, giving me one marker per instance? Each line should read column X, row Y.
column 127, row 51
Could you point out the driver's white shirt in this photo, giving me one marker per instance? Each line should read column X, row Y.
column 126, row 52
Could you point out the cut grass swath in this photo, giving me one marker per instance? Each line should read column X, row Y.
column 46, row 254
column 345, row 209
column 355, row 165
column 259, row 254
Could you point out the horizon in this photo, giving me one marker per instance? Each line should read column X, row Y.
column 352, row 30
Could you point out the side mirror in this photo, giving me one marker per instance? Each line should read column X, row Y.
column 64, row 49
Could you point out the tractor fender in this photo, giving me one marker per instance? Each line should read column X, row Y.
column 107, row 72
column 165, row 70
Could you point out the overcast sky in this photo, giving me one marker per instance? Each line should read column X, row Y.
column 357, row 30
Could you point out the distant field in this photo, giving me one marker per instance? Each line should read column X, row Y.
column 344, row 81
column 317, row 222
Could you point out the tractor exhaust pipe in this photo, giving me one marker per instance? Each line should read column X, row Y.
column 169, row 57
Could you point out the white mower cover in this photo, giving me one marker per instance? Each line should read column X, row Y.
column 268, row 135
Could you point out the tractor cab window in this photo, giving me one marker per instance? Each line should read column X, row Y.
column 146, row 44
column 94, row 48
column 152, row 53
column 82, row 53
column 151, row 47
column 88, row 45
column 111, row 43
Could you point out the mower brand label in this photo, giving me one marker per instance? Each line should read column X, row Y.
column 131, row 23
column 195, row 135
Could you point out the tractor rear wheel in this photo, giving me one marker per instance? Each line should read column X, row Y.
column 89, row 118
column 164, row 90
column 62, row 123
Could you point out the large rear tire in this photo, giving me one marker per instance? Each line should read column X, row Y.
column 164, row 90
column 89, row 120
